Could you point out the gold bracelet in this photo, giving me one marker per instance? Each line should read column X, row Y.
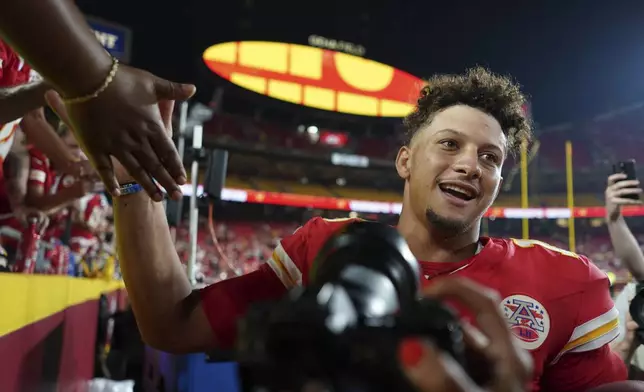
column 108, row 80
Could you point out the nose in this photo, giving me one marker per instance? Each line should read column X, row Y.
column 467, row 163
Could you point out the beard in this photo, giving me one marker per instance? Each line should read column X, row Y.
column 448, row 226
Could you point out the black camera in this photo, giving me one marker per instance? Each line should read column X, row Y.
column 342, row 331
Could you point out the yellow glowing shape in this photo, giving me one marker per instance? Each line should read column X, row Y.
column 320, row 98
column 363, row 74
column 306, row 62
column 394, row 108
column 270, row 56
column 223, row 53
column 286, row 91
column 357, row 104
column 253, row 83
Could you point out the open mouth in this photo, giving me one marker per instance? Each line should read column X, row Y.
column 458, row 192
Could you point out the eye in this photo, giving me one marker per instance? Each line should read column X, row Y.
column 449, row 144
column 490, row 157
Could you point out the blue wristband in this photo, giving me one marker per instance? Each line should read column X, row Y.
column 130, row 188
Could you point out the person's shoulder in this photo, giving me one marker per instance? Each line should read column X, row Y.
column 319, row 226
column 568, row 265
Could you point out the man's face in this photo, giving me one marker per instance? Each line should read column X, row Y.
column 452, row 168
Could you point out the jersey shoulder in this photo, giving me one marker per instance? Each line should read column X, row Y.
column 14, row 70
column 293, row 257
column 554, row 261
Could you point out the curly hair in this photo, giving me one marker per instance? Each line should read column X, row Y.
column 479, row 88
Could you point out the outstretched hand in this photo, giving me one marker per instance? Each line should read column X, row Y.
column 617, row 194
column 125, row 122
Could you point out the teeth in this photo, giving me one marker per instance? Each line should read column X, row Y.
column 458, row 189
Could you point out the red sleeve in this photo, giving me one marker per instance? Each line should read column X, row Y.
column 4, row 60
column 583, row 371
column 225, row 302
column 38, row 169
column 586, row 360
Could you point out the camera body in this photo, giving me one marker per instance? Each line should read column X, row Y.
column 342, row 331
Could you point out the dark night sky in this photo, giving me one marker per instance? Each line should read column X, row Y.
column 575, row 58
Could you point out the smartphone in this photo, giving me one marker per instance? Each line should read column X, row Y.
column 628, row 168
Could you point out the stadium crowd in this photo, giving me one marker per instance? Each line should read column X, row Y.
column 54, row 216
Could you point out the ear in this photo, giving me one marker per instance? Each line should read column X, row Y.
column 403, row 162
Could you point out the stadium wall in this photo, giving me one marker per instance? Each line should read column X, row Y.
column 48, row 329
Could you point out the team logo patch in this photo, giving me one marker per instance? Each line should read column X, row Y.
column 528, row 320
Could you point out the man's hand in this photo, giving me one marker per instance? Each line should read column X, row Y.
column 616, row 190
column 23, row 214
column 432, row 370
column 125, row 122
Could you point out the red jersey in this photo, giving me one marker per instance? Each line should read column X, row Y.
column 13, row 72
column 40, row 171
column 556, row 302
column 92, row 211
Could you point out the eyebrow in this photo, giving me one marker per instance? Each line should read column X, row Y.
column 461, row 134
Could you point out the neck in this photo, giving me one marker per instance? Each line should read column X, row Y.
column 429, row 245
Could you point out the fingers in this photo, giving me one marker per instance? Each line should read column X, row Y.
column 625, row 190
column 431, row 370
column 55, row 102
column 140, row 174
column 171, row 91
column 151, row 163
column 624, row 184
column 511, row 365
column 481, row 300
column 618, row 192
column 167, row 154
column 103, row 165
column 623, row 201
column 166, row 108
column 614, row 178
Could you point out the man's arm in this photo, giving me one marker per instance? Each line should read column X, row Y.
column 15, row 102
column 75, row 68
column 171, row 315
column 626, row 247
column 42, row 135
column 37, row 198
column 16, row 172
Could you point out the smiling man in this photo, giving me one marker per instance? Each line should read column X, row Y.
column 556, row 302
